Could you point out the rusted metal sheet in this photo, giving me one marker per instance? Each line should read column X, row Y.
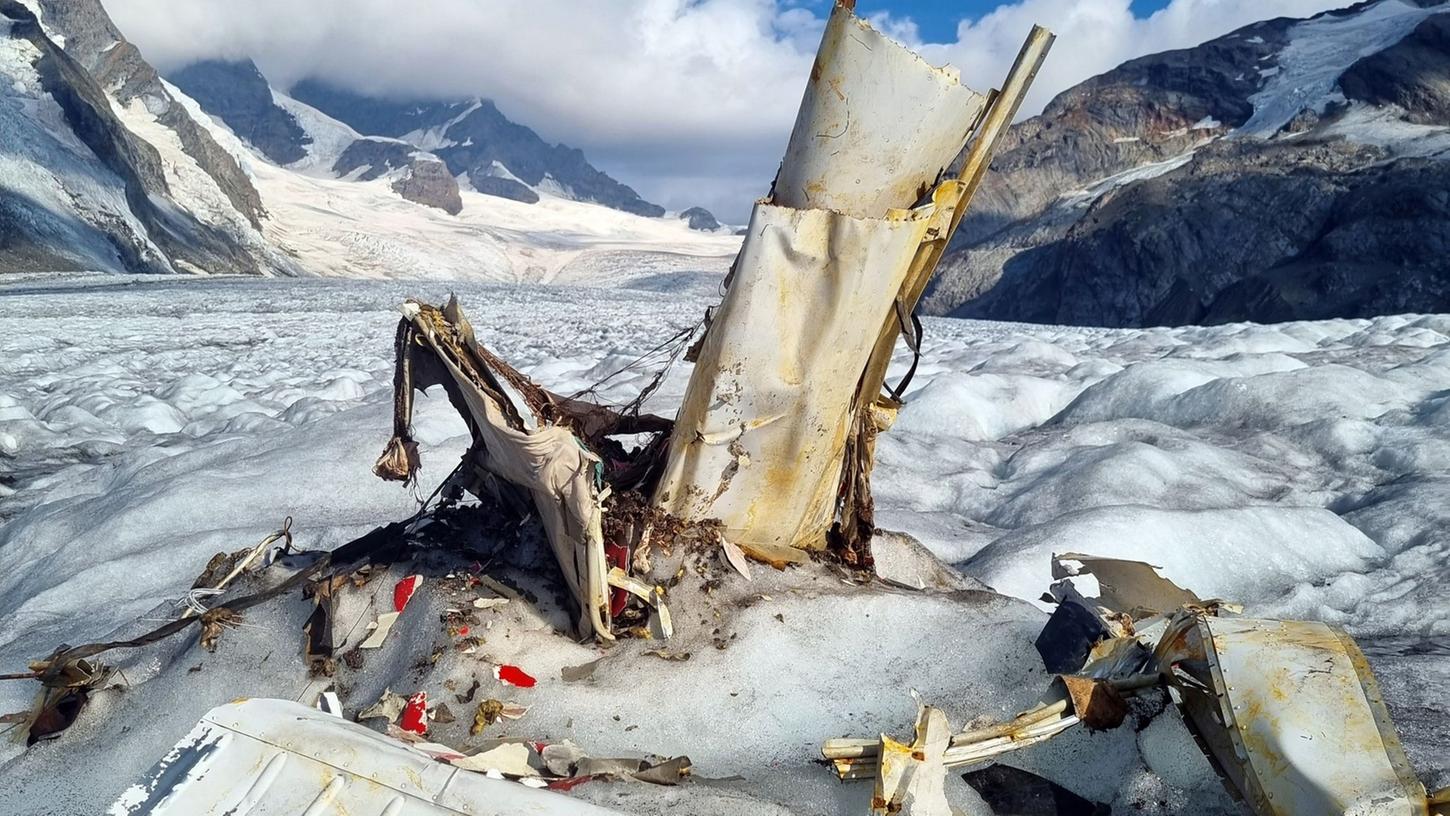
column 1292, row 715
column 856, row 512
column 546, row 460
column 758, row 441
column 862, row 208
column 761, row 438
column 1288, row 711
column 911, row 779
column 876, row 127
column 1130, row 587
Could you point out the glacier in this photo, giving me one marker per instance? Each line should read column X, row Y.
column 145, row 424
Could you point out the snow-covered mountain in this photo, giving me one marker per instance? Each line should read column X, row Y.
column 101, row 167
column 296, row 136
column 496, row 156
column 105, row 166
column 1291, row 169
column 420, row 147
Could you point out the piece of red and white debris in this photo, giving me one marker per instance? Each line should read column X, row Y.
column 403, row 591
column 415, row 714
column 513, row 676
column 379, row 630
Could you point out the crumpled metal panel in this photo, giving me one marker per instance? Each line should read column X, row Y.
column 1298, row 723
column 557, row 471
column 758, row 442
column 761, row 438
column 264, row 757
column 876, row 126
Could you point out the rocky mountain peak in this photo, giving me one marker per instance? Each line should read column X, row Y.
column 238, row 94
column 476, row 140
column 699, row 218
column 1225, row 182
column 85, row 192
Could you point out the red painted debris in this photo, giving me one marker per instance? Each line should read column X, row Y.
column 404, row 590
column 617, row 555
column 513, row 676
column 568, row 784
column 415, row 714
column 463, row 631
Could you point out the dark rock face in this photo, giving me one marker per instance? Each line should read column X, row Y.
column 238, row 94
column 1342, row 235
column 378, row 156
column 504, row 188
column 1414, row 74
column 1298, row 226
column 422, row 178
column 182, row 239
column 701, row 219
column 95, row 43
column 1382, row 249
column 478, row 135
column 429, row 183
column 1142, row 111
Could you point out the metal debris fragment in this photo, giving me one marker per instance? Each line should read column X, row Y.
column 911, row 779
column 1288, row 710
column 379, row 630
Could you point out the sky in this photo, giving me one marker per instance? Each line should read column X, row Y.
column 688, row 101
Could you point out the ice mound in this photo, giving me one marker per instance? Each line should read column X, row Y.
column 1253, row 555
column 1299, row 468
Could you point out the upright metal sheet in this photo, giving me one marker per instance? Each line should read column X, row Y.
column 759, row 440
column 876, row 126
column 1308, row 730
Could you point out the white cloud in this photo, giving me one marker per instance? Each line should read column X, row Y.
column 690, row 101
column 1094, row 36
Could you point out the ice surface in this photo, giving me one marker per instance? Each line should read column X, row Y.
column 1319, row 51
column 1385, row 127
column 147, row 424
column 329, row 136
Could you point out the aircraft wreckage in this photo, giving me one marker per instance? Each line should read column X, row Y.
column 769, row 458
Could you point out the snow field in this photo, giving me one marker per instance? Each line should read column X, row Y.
column 1299, row 469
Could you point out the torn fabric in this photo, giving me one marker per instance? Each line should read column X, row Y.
column 515, row 443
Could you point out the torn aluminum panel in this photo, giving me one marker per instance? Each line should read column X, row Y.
column 280, row 758
column 1288, row 711
column 1124, row 586
column 856, row 512
column 758, row 442
column 1292, row 715
column 911, row 779
column 877, row 125
column 560, row 475
column 775, row 435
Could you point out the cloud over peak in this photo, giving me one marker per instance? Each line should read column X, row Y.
column 689, row 101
